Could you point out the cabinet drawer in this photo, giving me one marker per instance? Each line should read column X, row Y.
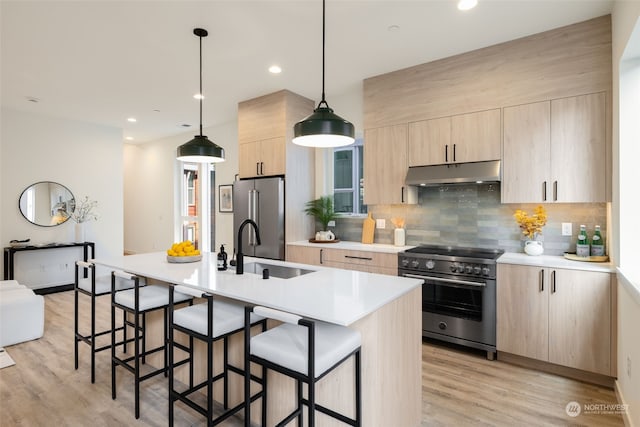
column 362, row 258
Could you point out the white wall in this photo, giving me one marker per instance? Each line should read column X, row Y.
column 625, row 18
column 149, row 192
column 85, row 157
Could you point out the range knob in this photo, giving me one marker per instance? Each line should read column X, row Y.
column 460, row 268
column 485, row 271
column 453, row 267
column 468, row 269
column 476, row 269
column 404, row 262
column 415, row 263
column 430, row 264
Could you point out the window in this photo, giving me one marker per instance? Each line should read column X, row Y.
column 347, row 179
column 196, row 217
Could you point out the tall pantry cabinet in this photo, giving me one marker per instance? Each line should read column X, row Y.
column 265, row 131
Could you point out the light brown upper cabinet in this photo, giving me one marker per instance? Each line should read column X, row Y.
column 262, row 158
column 555, row 151
column 265, row 130
column 385, row 167
column 471, row 137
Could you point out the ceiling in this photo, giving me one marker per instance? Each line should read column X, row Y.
column 105, row 61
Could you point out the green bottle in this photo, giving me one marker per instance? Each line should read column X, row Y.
column 582, row 247
column 597, row 243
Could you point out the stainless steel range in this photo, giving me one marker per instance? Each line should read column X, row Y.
column 458, row 293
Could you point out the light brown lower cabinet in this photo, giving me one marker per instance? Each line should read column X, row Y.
column 556, row 315
column 367, row 261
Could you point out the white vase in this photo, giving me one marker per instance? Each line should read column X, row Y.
column 533, row 247
column 79, row 229
column 398, row 236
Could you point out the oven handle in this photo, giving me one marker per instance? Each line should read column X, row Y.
column 441, row 279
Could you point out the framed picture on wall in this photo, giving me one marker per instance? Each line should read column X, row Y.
column 225, row 198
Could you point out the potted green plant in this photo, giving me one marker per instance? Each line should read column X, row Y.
column 322, row 210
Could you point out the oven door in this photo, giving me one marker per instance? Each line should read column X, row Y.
column 459, row 308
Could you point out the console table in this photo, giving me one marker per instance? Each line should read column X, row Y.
column 10, row 251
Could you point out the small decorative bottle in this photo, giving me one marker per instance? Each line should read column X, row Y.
column 222, row 259
column 582, row 246
column 597, row 243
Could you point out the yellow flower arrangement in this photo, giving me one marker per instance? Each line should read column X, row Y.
column 531, row 225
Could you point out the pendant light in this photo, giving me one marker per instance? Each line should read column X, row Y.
column 323, row 128
column 200, row 149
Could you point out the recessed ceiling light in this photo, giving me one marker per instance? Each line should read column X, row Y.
column 467, row 4
column 128, row 138
column 393, row 28
column 275, row 69
column 132, row 119
column 198, row 96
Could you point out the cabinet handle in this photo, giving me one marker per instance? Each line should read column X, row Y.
column 553, row 282
column 261, row 168
column 542, row 280
column 446, row 153
column 544, row 191
column 359, row 257
column 454, row 152
column 321, row 256
column 402, row 195
column 257, row 168
column 555, row 191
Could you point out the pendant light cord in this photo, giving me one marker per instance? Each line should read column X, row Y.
column 201, row 94
column 323, row 101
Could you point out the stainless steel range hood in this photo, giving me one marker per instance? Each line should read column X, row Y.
column 458, row 173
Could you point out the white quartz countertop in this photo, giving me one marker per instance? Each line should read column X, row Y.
column 327, row 294
column 355, row 246
column 553, row 261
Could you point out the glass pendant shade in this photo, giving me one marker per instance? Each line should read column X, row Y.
column 201, row 150
column 323, row 129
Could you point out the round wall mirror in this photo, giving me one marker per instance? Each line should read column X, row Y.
column 47, row 203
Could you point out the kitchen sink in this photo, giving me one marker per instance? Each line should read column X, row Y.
column 279, row 271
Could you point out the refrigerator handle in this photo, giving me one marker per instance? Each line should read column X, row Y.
column 253, row 215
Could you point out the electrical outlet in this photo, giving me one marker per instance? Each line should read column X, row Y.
column 629, row 366
column 381, row 223
column 331, row 224
column 566, row 229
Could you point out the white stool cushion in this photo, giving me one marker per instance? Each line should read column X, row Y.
column 227, row 317
column 286, row 345
column 6, row 285
column 153, row 296
column 103, row 284
column 21, row 315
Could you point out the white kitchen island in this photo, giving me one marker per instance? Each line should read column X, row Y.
column 385, row 309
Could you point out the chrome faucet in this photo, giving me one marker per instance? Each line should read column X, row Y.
column 240, row 255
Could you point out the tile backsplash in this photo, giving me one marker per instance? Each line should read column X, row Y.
column 472, row 215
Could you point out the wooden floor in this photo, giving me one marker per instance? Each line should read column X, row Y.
column 459, row 388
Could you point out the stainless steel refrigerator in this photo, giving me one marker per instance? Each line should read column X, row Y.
column 262, row 200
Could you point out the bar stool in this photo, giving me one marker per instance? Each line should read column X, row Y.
column 139, row 301
column 93, row 287
column 306, row 351
column 209, row 322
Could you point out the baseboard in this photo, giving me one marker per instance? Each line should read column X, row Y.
column 53, row 289
column 620, row 399
column 576, row 374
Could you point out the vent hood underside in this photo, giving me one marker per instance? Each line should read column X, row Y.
column 458, row 173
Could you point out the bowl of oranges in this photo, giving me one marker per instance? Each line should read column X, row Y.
column 183, row 252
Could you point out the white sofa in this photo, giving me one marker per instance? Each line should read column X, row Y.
column 21, row 313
